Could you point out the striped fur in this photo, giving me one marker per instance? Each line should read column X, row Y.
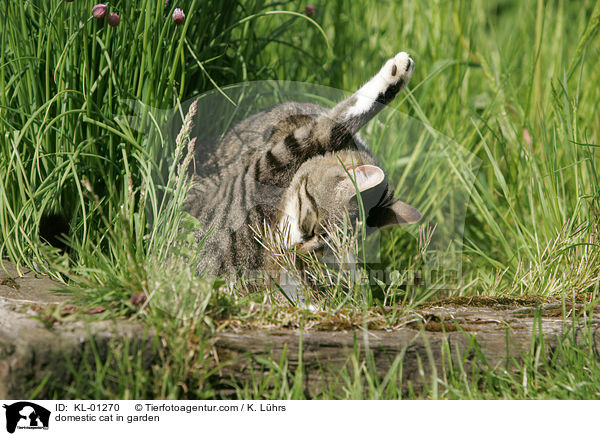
column 293, row 167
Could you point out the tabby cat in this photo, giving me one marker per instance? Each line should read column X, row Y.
column 293, row 167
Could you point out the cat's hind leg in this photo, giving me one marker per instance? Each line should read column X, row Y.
column 306, row 137
column 348, row 116
column 382, row 88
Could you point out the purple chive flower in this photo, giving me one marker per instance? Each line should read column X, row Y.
column 99, row 11
column 113, row 19
column 309, row 10
column 178, row 16
column 138, row 298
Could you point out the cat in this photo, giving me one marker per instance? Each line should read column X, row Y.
column 294, row 167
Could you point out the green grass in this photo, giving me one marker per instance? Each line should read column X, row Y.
column 568, row 368
column 502, row 135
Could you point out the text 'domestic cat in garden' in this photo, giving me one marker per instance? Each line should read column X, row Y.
column 292, row 169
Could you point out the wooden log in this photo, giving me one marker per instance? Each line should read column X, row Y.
column 35, row 352
column 431, row 339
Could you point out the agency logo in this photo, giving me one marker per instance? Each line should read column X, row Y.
column 26, row 416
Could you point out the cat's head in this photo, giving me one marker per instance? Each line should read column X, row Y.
column 327, row 187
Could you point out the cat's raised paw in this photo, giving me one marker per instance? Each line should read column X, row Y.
column 383, row 87
column 398, row 68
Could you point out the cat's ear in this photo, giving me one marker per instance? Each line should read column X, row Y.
column 365, row 176
column 394, row 214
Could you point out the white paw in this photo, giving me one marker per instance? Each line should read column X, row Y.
column 400, row 67
column 397, row 70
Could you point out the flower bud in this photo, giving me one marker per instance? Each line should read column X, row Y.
column 309, row 10
column 178, row 16
column 113, row 19
column 99, row 11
